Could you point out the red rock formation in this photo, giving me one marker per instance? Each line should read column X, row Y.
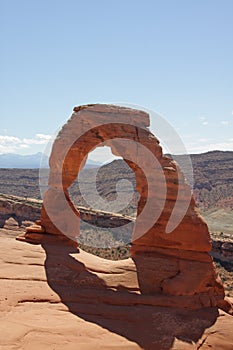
column 167, row 264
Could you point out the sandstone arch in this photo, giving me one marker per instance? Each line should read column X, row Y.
column 175, row 264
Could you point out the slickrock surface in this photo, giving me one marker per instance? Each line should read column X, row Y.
column 49, row 300
column 174, row 267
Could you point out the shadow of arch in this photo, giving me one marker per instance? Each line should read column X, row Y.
column 87, row 296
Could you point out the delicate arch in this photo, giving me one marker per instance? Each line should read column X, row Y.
column 176, row 266
column 93, row 125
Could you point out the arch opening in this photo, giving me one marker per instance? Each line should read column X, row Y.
column 104, row 192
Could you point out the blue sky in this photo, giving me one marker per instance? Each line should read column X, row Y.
column 171, row 56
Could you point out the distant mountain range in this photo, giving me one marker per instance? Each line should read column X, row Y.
column 32, row 161
column 10, row 160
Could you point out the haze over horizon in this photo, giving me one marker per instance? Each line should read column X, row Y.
column 96, row 158
column 174, row 58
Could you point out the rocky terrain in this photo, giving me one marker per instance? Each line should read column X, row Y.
column 43, row 307
column 213, row 174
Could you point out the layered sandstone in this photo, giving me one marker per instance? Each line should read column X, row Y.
column 19, row 208
column 53, row 297
column 174, row 267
